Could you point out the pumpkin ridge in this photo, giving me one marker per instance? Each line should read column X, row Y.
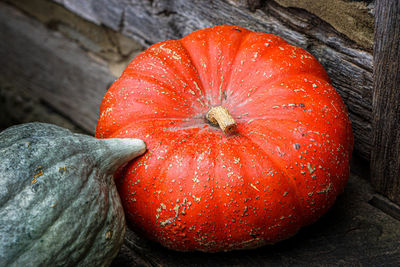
column 187, row 103
column 201, row 85
column 155, row 146
column 266, row 153
column 189, row 57
column 171, row 68
column 266, row 117
column 247, row 182
column 191, row 140
column 182, row 119
column 208, row 50
column 158, row 182
column 234, row 65
column 167, row 156
column 268, row 85
column 159, row 83
column 211, row 192
column 237, row 65
column 183, row 124
column 228, row 72
column 280, row 76
column 265, row 84
column 306, row 215
column 296, row 111
column 299, row 211
column 214, row 148
column 300, row 208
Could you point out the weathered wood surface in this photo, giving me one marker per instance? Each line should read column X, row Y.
column 352, row 18
column 52, row 67
column 385, row 159
column 349, row 66
column 386, row 206
column 352, row 233
column 113, row 47
column 19, row 106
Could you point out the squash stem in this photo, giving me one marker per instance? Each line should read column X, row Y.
column 220, row 116
column 114, row 152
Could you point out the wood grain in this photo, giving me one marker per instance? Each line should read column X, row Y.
column 18, row 106
column 50, row 66
column 352, row 18
column 385, row 158
column 349, row 66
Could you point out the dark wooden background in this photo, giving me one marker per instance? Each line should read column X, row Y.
column 59, row 57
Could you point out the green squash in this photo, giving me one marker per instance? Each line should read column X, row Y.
column 58, row 202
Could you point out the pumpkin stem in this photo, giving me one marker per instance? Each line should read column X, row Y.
column 220, row 116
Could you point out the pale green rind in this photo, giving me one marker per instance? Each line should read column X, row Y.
column 58, row 201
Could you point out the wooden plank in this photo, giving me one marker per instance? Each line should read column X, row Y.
column 385, row 158
column 349, row 66
column 116, row 49
column 386, row 206
column 352, row 233
column 51, row 67
column 353, row 18
column 18, row 106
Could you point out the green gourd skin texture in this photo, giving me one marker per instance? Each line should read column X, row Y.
column 58, row 202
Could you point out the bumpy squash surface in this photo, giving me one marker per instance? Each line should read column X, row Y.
column 58, row 201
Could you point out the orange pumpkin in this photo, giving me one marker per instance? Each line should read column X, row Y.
column 247, row 140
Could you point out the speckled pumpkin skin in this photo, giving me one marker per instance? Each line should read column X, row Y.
column 199, row 189
column 58, row 202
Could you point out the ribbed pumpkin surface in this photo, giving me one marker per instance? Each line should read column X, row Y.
column 200, row 189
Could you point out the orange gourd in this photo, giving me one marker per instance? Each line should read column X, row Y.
column 247, row 140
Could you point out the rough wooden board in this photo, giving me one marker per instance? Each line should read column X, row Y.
column 52, row 67
column 352, row 233
column 386, row 206
column 114, row 47
column 349, row 66
column 352, row 18
column 385, row 158
column 18, row 106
